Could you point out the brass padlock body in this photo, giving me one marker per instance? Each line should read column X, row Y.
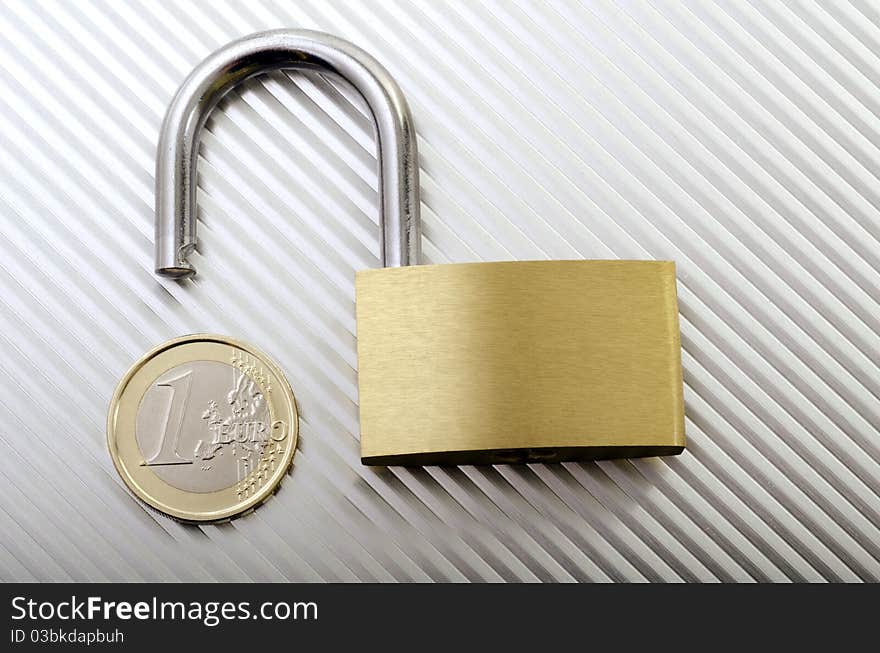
column 528, row 361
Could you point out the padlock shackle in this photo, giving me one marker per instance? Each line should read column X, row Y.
column 273, row 50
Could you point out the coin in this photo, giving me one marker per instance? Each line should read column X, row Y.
column 203, row 428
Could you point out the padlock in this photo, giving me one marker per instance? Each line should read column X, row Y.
column 469, row 363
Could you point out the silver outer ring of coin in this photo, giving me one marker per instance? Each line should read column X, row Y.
column 234, row 426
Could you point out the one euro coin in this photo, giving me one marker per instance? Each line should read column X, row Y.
column 203, row 428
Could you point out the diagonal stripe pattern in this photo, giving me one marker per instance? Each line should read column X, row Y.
column 741, row 140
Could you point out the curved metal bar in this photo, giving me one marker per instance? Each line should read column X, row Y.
column 273, row 50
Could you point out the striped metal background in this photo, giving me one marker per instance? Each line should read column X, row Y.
column 740, row 139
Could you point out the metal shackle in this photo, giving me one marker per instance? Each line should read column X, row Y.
column 274, row 50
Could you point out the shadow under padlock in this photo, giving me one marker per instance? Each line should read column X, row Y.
column 472, row 363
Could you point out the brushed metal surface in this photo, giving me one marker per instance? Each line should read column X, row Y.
column 738, row 139
column 518, row 361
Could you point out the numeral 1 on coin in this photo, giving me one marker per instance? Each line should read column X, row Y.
column 167, row 453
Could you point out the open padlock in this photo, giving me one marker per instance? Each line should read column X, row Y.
column 529, row 361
